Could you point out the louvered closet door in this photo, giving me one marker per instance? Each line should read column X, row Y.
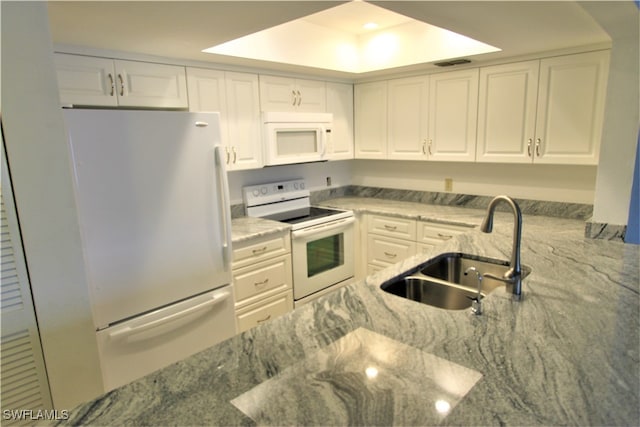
column 24, row 383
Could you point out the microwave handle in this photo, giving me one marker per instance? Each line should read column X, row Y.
column 325, row 141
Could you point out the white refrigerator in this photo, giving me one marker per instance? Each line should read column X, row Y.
column 153, row 206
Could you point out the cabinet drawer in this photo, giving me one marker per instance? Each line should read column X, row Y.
column 433, row 233
column 402, row 228
column 262, row 279
column 264, row 311
column 255, row 250
column 388, row 250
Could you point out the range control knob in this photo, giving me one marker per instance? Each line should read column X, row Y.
column 295, row 185
column 256, row 192
column 302, row 185
column 264, row 190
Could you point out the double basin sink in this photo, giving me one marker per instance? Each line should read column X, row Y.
column 442, row 282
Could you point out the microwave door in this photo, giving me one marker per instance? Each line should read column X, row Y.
column 295, row 144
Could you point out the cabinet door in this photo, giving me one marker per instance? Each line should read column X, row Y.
column 141, row 84
column 207, row 93
column 243, row 120
column 453, row 114
column 340, row 103
column 507, row 112
column 571, row 108
column 370, row 120
column 384, row 251
column 312, row 96
column 407, row 112
column 264, row 311
column 277, row 93
column 85, row 80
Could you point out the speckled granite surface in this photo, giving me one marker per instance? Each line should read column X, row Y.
column 567, row 354
column 247, row 228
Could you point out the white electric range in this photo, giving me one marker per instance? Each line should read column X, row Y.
column 322, row 239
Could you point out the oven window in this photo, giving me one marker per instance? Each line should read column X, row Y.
column 325, row 254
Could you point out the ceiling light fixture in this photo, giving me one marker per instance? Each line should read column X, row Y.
column 370, row 26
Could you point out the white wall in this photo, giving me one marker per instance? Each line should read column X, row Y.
column 315, row 174
column 35, row 140
column 574, row 184
column 619, row 136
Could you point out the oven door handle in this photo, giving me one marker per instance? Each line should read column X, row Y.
column 333, row 225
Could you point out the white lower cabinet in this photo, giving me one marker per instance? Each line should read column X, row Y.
column 392, row 239
column 431, row 233
column 262, row 280
column 266, row 310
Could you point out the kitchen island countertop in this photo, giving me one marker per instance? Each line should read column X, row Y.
column 568, row 353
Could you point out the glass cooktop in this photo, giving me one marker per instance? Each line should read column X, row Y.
column 298, row 216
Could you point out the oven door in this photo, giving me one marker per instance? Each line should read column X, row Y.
column 322, row 256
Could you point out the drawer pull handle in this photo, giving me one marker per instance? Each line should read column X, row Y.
column 390, row 255
column 444, row 236
column 264, row 282
column 259, row 250
column 390, row 227
column 265, row 319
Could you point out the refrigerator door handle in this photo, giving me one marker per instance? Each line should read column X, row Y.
column 129, row 331
column 226, row 206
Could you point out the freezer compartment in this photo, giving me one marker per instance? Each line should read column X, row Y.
column 137, row 347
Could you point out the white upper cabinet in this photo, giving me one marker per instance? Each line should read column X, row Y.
column 243, row 115
column 571, row 102
column 546, row 111
column 427, row 117
column 236, row 97
column 340, row 104
column 407, row 118
column 93, row 81
column 453, row 114
column 286, row 94
column 507, row 112
column 370, row 113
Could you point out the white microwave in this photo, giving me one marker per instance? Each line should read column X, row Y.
column 295, row 137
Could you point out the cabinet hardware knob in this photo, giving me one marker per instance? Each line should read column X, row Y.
column 430, row 143
column 121, row 84
column 112, row 84
column 529, row 142
column 444, row 236
column 265, row 319
column 264, row 282
column 390, row 255
column 259, row 250
column 235, row 155
column 538, row 142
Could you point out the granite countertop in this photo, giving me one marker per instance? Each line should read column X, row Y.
column 568, row 353
column 248, row 228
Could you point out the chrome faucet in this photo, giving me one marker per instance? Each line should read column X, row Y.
column 513, row 276
column 476, row 303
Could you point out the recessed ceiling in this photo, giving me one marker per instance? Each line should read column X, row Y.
column 355, row 37
column 182, row 29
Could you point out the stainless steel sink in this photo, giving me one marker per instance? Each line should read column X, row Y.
column 437, row 293
column 450, row 267
column 442, row 282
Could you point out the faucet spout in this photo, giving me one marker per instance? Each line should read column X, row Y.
column 514, row 274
